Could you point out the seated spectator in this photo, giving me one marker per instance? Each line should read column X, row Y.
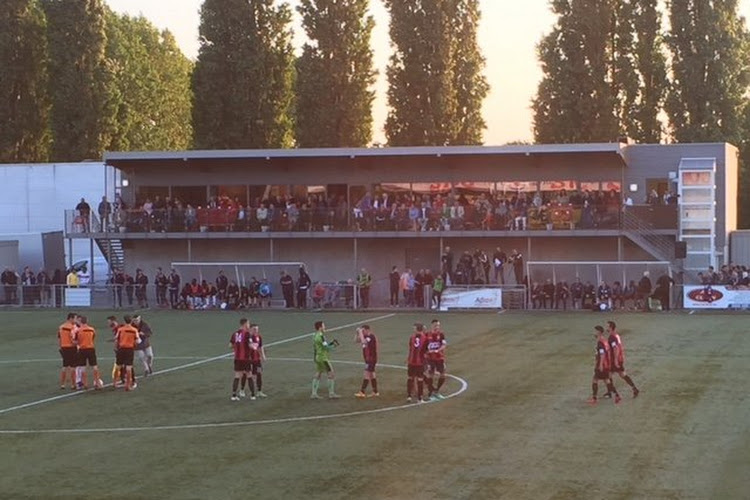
column 630, row 293
column 604, row 295
column 562, row 292
column 618, row 299
column 318, row 295
column 589, row 294
column 537, row 296
column 576, row 294
column 548, row 294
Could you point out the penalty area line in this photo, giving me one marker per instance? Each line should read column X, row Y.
column 244, row 423
column 190, row 365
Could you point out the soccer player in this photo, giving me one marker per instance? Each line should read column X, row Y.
column 601, row 367
column 257, row 356
column 435, row 359
column 240, row 344
column 144, row 350
column 68, row 351
column 125, row 342
column 322, row 363
column 86, row 336
column 617, row 357
column 415, row 363
column 369, row 342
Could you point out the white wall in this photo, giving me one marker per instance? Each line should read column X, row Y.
column 35, row 197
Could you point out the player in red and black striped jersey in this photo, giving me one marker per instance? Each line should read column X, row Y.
column 369, row 342
column 435, row 360
column 602, row 367
column 617, row 357
column 415, row 362
column 257, row 356
column 239, row 342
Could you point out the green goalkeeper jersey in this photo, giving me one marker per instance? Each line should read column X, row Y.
column 321, row 347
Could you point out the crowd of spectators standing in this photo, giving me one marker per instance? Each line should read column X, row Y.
column 729, row 275
column 603, row 296
column 31, row 288
column 384, row 211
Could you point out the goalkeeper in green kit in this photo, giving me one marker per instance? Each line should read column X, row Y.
column 322, row 363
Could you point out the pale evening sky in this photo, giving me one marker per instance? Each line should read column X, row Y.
column 508, row 34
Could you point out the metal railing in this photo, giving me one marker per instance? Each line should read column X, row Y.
column 550, row 217
column 644, row 233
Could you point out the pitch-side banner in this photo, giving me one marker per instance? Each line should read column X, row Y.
column 478, row 298
column 716, row 297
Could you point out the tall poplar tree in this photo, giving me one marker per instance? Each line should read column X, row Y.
column 708, row 43
column 151, row 86
column 651, row 67
column 604, row 72
column 436, row 85
column 335, row 75
column 80, row 82
column 244, row 76
column 24, row 112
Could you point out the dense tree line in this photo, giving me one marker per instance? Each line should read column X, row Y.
column 79, row 79
column 610, row 69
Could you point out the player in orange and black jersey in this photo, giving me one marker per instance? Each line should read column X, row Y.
column 68, row 350
column 602, row 367
column 118, row 376
column 86, row 336
column 617, row 357
column 435, row 359
column 415, row 362
column 125, row 342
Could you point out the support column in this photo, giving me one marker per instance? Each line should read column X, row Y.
column 271, row 250
column 356, row 261
column 70, row 253
column 91, row 258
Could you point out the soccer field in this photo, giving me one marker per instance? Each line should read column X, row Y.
column 517, row 425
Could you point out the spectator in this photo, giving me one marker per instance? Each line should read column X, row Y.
column 287, row 289
column 498, row 260
column 303, row 284
column 576, row 294
column 364, row 281
column 437, row 291
column 517, row 260
column 562, row 292
column 9, row 280
column 105, row 211
column 644, row 292
column 394, row 278
column 84, row 211
column 72, row 279
column 141, row 282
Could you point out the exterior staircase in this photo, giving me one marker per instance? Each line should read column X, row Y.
column 660, row 246
column 113, row 252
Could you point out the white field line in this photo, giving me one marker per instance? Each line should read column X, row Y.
column 190, row 365
column 242, row 423
column 105, row 358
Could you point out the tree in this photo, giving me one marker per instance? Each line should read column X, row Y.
column 243, row 79
column 604, row 72
column 709, row 50
column 24, row 113
column 650, row 65
column 151, row 86
column 79, row 79
column 335, row 75
column 436, row 87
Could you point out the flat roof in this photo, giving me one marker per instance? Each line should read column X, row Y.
column 115, row 157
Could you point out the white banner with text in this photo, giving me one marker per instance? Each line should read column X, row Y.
column 478, row 298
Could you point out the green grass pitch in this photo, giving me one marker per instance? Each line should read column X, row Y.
column 521, row 429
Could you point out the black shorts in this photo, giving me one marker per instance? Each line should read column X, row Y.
column 416, row 370
column 125, row 356
column 256, row 367
column 617, row 369
column 87, row 356
column 242, row 365
column 436, row 365
column 370, row 367
column 69, row 356
column 601, row 374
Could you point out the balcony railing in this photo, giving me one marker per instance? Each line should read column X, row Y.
column 552, row 217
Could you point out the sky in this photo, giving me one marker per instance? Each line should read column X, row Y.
column 508, row 34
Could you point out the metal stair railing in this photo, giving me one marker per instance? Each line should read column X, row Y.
column 642, row 232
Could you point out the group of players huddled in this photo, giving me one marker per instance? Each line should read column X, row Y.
column 426, row 361
column 77, row 343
